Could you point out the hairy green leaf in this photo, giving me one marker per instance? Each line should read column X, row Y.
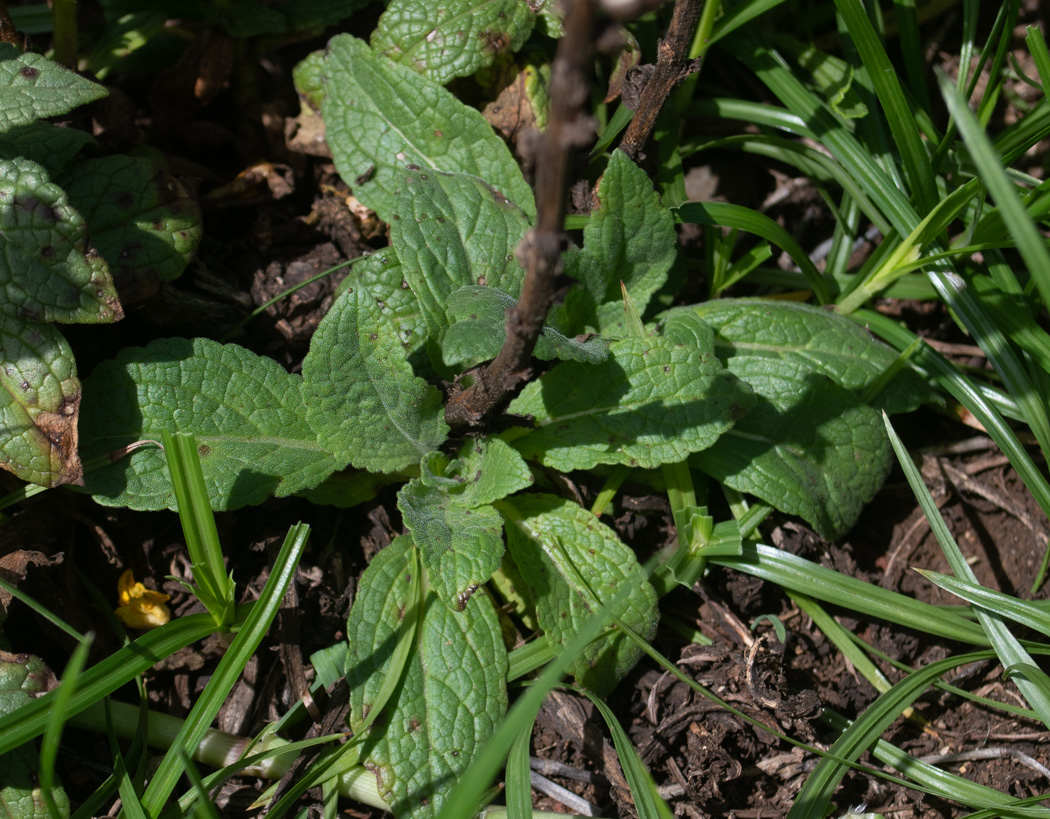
column 483, row 471
column 629, row 238
column 809, row 447
column 245, row 410
column 39, row 403
column 382, row 274
column 477, row 327
column 800, row 336
column 381, row 117
column 452, row 694
column 142, row 220
column 32, row 87
column 460, row 546
column 653, row 401
column 573, row 563
column 447, row 510
column 47, row 270
column 361, row 395
column 23, row 676
column 452, row 230
column 454, row 39
column 43, row 143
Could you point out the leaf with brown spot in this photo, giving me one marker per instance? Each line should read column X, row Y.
column 39, row 403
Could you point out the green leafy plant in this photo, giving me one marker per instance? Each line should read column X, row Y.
column 768, row 399
column 71, row 235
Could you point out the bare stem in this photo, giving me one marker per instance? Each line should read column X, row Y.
column 569, row 128
column 672, row 65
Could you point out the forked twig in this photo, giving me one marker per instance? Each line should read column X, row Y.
column 569, row 128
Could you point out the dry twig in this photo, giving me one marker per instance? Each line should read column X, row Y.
column 569, row 128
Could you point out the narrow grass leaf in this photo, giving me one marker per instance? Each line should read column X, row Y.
column 941, row 783
column 105, row 677
column 833, row 587
column 1033, row 683
column 1040, row 56
column 1005, row 605
column 963, row 390
column 648, row 803
column 229, row 669
column 813, row 800
column 917, row 167
column 519, row 791
column 58, row 718
column 737, row 216
column 990, row 169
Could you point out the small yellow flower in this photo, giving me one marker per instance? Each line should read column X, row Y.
column 140, row 607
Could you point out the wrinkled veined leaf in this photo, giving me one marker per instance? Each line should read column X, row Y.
column 21, row 677
column 245, row 410
column 39, row 403
column 381, row 117
column 811, row 338
column 382, row 274
column 142, row 220
column 453, row 39
column 447, row 510
column 629, row 238
column 573, row 563
column 460, row 546
column 452, row 231
column 483, row 471
column 452, row 694
column 43, row 143
column 809, row 447
column 477, row 327
column 47, row 270
column 32, row 87
column 653, row 401
column 361, row 395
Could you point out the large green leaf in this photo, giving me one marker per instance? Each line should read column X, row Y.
column 477, row 319
column 361, row 395
column 32, row 87
column 245, row 410
column 800, row 336
column 460, row 546
column 653, row 401
column 43, row 143
column 630, row 238
column 382, row 274
column 142, row 220
column 453, row 39
column 452, row 230
column 809, row 447
column 447, row 510
column 573, row 564
column 452, row 694
column 22, row 677
column 39, row 403
column 47, row 270
column 381, row 117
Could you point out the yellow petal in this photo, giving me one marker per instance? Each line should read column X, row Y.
column 140, row 608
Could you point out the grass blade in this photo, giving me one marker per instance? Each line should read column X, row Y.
column 1033, row 683
column 230, row 667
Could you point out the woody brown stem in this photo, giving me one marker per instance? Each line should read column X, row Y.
column 569, row 127
column 671, row 67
